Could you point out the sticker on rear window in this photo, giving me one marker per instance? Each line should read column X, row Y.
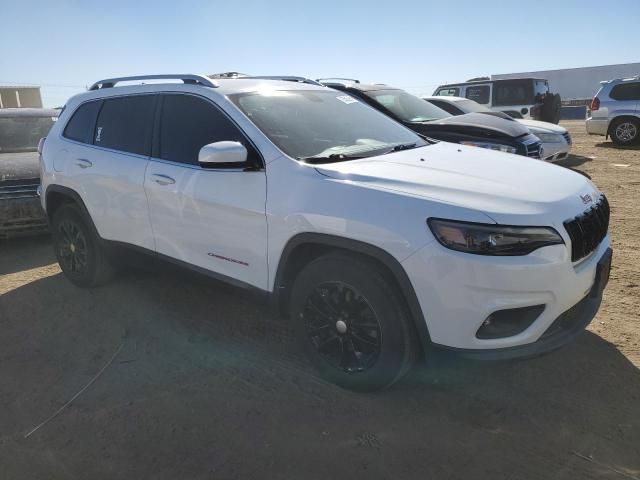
column 347, row 99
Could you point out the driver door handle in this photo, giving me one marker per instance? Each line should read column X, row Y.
column 83, row 163
column 162, row 179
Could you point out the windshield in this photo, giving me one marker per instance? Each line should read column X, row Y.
column 22, row 133
column 469, row 106
column 407, row 107
column 307, row 124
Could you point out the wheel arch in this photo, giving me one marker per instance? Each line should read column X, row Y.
column 620, row 116
column 305, row 247
column 58, row 195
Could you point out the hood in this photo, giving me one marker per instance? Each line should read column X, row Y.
column 511, row 189
column 499, row 124
column 537, row 124
column 18, row 166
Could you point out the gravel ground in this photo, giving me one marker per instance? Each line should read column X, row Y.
column 206, row 382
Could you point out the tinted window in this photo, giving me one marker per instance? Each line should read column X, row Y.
column 478, row 93
column 513, row 92
column 626, row 91
column 80, row 127
column 189, row 123
column 407, row 107
column 447, row 107
column 125, row 124
column 448, row 92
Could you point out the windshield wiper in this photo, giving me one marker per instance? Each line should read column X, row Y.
column 334, row 157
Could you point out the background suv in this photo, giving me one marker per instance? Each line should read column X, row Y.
column 518, row 97
column 376, row 243
column 615, row 111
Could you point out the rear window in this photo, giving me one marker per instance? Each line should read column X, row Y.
column 478, row 93
column 80, row 127
column 626, row 91
column 125, row 124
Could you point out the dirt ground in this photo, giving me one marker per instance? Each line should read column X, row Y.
column 206, row 382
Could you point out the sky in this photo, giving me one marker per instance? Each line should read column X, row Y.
column 66, row 45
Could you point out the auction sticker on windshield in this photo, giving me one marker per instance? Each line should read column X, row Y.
column 347, row 99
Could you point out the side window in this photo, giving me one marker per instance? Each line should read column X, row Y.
column 478, row 93
column 513, row 92
column 448, row 92
column 188, row 123
column 126, row 123
column 626, row 91
column 83, row 120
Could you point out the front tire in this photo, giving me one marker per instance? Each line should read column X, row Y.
column 625, row 131
column 81, row 257
column 351, row 323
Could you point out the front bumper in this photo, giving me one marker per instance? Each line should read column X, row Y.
column 563, row 330
column 458, row 292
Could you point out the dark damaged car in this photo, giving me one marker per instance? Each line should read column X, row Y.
column 473, row 129
column 20, row 131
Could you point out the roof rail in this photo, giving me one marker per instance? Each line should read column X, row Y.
column 186, row 78
column 286, row 78
column 322, row 80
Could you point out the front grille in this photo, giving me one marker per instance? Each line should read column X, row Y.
column 533, row 149
column 24, row 188
column 567, row 137
column 589, row 229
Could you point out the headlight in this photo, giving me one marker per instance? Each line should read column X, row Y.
column 488, row 239
column 550, row 137
column 491, row 146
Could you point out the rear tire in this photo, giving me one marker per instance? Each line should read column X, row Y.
column 551, row 108
column 351, row 323
column 625, row 131
column 82, row 258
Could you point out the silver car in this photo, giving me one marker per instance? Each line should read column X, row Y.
column 556, row 140
column 615, row 111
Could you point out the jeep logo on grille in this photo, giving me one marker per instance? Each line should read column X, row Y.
column 586, row 198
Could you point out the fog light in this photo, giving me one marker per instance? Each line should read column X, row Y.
column 509, row 322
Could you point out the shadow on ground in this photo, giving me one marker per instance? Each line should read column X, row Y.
column 209, row 385
column 25, row 253
column 617, row 147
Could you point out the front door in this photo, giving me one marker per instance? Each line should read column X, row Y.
column 210, row 218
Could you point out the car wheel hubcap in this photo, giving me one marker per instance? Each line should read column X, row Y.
column 342, row 327
column 626, row 131
column 72, row 247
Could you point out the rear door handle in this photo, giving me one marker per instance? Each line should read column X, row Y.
column 162, row 179
column 83, row 163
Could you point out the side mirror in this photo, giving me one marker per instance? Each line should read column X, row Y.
column 222, row 153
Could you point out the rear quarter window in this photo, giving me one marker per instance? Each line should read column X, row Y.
column 80, row 126
column 626, row 91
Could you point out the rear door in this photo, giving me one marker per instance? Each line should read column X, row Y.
column 105, row 162
column 211, row 218
column 515, row 95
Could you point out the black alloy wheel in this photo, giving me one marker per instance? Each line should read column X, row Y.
column 342, row 327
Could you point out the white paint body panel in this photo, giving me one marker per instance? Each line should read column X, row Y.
column 383, row 201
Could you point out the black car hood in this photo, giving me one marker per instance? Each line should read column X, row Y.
column 18, row 166
column 479, row 121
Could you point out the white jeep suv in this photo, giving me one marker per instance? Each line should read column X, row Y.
column 377, row 244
